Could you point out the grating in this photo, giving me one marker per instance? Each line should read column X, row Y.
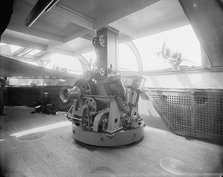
column 196, row 113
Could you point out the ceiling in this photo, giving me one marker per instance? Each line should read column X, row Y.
column 14, row 68
column 70, row 25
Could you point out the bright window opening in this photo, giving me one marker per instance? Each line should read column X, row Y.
column 34, row 52
column 181, row 41
column 91, row 57
column 21, row 82
column 14, row 48
column 2, row 44
column 65, row 63
column 25, row 52
column 8, row 49
column 126, row 60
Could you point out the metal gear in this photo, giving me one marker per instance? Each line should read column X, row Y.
column 84, row 86
column 91, row 104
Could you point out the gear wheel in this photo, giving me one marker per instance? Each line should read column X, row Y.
column 91, row 104
column 84, row 86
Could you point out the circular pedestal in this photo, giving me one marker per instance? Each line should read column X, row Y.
column 119, row 138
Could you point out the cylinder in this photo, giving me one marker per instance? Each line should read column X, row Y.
column 138, row 83
column 67, row 94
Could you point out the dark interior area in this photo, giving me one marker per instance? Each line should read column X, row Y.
column 28, row 96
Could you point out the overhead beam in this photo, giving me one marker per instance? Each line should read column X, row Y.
column 25, row 52
column 163, row 26
column 55, row 46
column 22, row 43
column 88, row 37
column 41, row 54
column 73, row 53
column 64, row 51
column 83, row 50
column 74, row 17
column 31, row 59
column 40, row 7
column 34, row 32
column 51, row 49
column 20, row 51
column 75, row 35
column 123, row 29
column 120, row 10
column 68, row 14
column 11, row 67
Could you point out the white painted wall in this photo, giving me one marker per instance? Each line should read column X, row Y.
column 202, row 80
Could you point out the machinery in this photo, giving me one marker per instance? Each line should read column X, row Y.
column 104, row 112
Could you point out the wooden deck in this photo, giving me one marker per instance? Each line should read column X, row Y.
column 55, row 154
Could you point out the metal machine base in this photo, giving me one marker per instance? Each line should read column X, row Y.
column 117, row 139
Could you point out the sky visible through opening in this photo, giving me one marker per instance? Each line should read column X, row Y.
column 181, row 40
column 64, row 62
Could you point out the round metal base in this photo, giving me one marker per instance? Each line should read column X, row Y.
column 117, row 139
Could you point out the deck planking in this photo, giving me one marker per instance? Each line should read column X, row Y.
column 57, row 155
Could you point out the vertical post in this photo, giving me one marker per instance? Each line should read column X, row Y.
column 206, row 18
column 2, row 85
column 107, row 50
column 1, row 101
